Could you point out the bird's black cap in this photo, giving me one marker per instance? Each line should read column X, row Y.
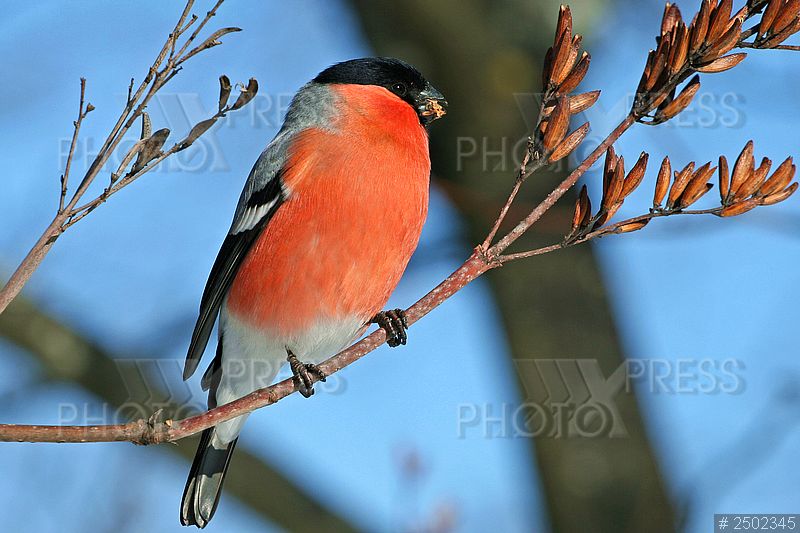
column 393, row 74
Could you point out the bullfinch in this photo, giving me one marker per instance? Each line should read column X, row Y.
column 324, row 228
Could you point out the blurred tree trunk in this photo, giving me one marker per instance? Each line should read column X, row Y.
column 66, row 355
column 484, row 57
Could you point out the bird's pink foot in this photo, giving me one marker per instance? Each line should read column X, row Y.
column 395, row 324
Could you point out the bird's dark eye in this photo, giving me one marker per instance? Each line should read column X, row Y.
column 399, row 89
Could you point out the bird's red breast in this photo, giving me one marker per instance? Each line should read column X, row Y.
column 358, row 197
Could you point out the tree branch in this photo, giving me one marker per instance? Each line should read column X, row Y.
column 712, row 35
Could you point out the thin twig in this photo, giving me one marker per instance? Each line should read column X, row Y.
column 611, row 229
column 73, row 144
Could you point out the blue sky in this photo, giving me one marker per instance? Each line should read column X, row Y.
column 130, row 275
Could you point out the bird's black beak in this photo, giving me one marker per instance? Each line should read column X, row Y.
column 430, row 105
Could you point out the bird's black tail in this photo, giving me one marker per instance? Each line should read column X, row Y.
column 204, row 486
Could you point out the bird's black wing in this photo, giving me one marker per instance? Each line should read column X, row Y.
column 256, row 209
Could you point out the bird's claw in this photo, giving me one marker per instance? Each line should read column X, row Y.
column 395, row 324
column 302, row 374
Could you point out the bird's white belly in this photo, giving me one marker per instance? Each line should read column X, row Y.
column 251, row 357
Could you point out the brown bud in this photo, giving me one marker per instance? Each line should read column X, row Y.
column 756, row 179
column 576, row 75
column 672, row 17
column 697, row 186
column 780, row 178
column 561, row 52
column 787, row 15
column 722, row 64
column 727, row 41
column 718, row 22
column 662, row 182
column 564, row 25
column 679, row 184
column 608, row 165
column 557, row 123
column 739, row 207
column 570, row 143
column 582, row 102
column 782, row 35
column 587, row 212
column 635, row 176
column 776, row 197
column 580, row 207
column 768, row 18
column 724, row 179
column 547, row 68
column 699, row 29
column 611, row 193
column 633, row 226
column 743, row 169
column 680, row 50
column 682, row 101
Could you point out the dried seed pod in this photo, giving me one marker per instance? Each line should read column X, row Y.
column 756, row 179
column 680, row 50
column 557, row 123
column 743, row 169
column 739, row 207
column 582, row 102
column 198, row 129
column 728, row 40
column 672, row 16
column 780, row 178
column 561, row 52
column 682, row 101
column 687, row 200
column 679, row 184
column 564, row 25
column 768, row 18
column 697, row 186
column 576, row 75
column 787, row 15
column 781, row 36
column 724, row 179
column 632, row 226
column 635, row 176
column 718, row 22
column 581, row 205
column 648, row 67
column 776, row 197
column 722, row 64
column 587, row 212
column 613, row 188
column 571, row 59
column 224, row 91
column 547, row 68
column 147, row 126
column 569, row 143
column 608, row 165
column 660, row 61
column 151, row 148
column 662, row 182
column 699, row 28
column 247, row 94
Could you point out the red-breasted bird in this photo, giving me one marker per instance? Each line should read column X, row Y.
column 325, row 226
